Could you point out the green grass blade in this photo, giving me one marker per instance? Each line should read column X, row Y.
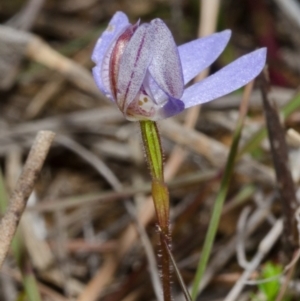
column 30, row 285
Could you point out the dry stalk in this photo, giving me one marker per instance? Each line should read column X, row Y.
column 24, row 187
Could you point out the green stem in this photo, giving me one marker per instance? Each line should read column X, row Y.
column 152, row 145
column 160, row 194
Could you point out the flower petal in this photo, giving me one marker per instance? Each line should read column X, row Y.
column 171, row 108
column 154, row 91
column 116, row 26
column 143, row 107
column 102, row 87
column 197, row 55
column 134, row 64
column 165, row 105
column 228, row 79
column 165, row 66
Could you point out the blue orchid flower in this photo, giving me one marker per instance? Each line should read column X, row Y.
column 140, row 68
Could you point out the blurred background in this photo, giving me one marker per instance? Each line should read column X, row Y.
column 89, row 229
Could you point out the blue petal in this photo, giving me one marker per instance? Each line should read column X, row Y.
column 165, row 105
column 116, row 26
column 154, row 91
column 96, row 74
column 197, row 55
column 228, row 79
column 165, row 66
column 171, row 108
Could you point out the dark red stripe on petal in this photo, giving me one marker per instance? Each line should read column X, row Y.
column 117, row 53
column 132, row 73
column 133, row 66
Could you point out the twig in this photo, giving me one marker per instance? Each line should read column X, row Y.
column 240, row 248
column 39, row 51
column 291, row 8
column 61, row 123
column 30, row 45
column 209, row 10
column 285, row 185
column 23, row 190
column 55, row 84
column 25, row 18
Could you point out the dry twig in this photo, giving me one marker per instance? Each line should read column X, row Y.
column 285, row 185
column 23, row 190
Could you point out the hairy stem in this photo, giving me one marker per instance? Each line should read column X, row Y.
column 160, row 194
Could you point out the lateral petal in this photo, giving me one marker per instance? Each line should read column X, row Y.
column 104, row 88
column 117, row 25
column 197, row 55
column 228, row 79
